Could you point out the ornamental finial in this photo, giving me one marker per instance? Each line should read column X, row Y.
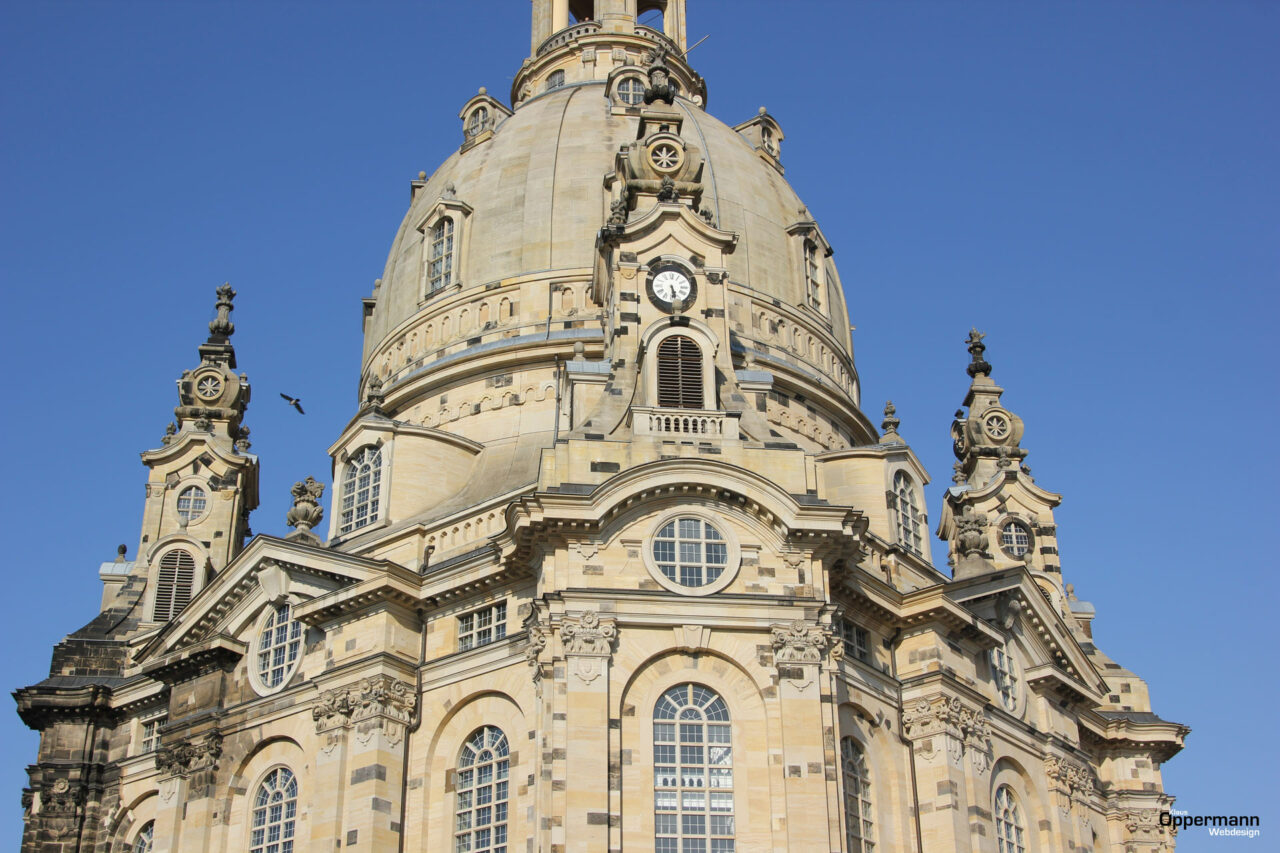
column 221, row 327
column 889, row 426
column 979, row 365
column 306, row 512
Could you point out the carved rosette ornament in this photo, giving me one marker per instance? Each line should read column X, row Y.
column 964, row 729
column 61, row 804
column 1144, row 825
column 588, row 644
column 379, row 703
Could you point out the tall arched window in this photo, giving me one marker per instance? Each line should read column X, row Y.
column 679, row 373
column 440, row 259
column 1009, row 827
column 146, row 838
column 910, row 519
column 857, row 798
column 555, row 80
column 174, row 583
column 482, row 790
column 275, row 812
column 692, row 772
column 361, row 490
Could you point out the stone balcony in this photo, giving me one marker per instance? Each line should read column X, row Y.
column 699, row 424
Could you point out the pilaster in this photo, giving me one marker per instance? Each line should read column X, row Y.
column 799, row 649
column 587, row 640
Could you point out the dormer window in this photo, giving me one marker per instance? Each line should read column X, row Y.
column 679, row 373
column 767, row 142
column 555, row 80
column 910, row 518
column 812, row 274
column 440, row 265
column 361, row 490
column 630, row 91
column 478, row 121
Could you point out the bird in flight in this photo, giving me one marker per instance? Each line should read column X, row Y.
column 295, row 402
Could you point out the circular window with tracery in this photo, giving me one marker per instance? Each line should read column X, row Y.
column 209, row 387
column 192, row 503
column 666, row 157
column 692, row 554
column 277, row 649
column 997, row 425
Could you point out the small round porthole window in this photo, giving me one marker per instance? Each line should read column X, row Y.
column 277, row 650
column 630, row 91
column 692, row 554
column 1015, row 539
column 192, row 502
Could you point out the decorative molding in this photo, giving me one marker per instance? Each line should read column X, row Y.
column 377, row 703
column 588, row 643
column 185, row 758
column 801, row 642
column 1072, row 781
column 966, row 729
column 692, row 638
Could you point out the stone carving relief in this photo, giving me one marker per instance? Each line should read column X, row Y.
column 801, row 642
column 1074, row 783
column 964, row 729
column 588, row 644
column 379, row 703
column 189, row 757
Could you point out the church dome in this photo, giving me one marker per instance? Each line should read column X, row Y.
column 537, row 200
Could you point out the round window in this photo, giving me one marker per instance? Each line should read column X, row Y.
column 666, row 157
column 692, row 554
column 1015, row 539
column 192, row 502
column 630, row 91
column 209, row 387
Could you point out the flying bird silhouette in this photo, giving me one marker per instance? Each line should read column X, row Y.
column 295, row 402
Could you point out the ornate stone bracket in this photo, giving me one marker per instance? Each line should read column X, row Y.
column 378, row 703
column 588, row 644
column 965, row 729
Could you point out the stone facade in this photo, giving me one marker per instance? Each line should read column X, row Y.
column 615, row 562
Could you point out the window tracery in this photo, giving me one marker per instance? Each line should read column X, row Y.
column 278, row 647
column 910, row 519
column 275, row 812
column 858, row 823
column 482, row 791
column 361, row 490
column 1010, row 830
column 440, row 263
column 693, row 772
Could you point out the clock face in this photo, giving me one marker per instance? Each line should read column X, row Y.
column 670, row 285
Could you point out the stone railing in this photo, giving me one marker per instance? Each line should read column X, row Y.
column 567, row 35
column 684, row 423
column 661, row 38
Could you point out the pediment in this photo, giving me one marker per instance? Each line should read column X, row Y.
column 1052, row 659
column 269, row 569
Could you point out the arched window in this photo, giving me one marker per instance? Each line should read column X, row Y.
column 857, row 798
column 482, row 790
column 174, row 583
column 1009, row 827
column 478, row 121
column 192, row 502
column 555, row 80
column 1015, row 539
column 910, row 519
column 146, row 838
column 279, row 644
column 679, row 373
column 440, row 259
column 692, row 772
column 275, row 812
column 361, row 490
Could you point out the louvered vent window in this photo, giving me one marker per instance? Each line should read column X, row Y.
column 679, row 373
column 177, row 575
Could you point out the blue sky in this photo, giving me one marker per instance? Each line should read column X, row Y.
column 1094, row 184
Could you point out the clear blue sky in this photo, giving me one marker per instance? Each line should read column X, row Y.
column 1094, row 184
